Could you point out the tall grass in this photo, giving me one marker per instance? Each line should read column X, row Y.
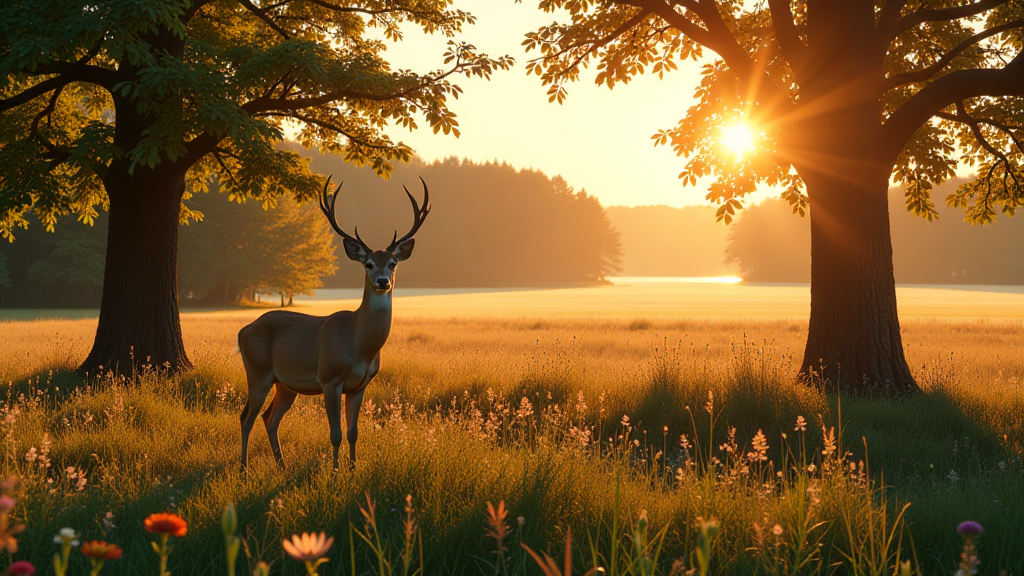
column 572, row 423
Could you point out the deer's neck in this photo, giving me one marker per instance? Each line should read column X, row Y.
column 373, row 320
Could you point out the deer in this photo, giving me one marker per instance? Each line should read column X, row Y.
column 334, row 355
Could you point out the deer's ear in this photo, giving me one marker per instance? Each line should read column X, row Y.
column 355, row 251
column 404, row 250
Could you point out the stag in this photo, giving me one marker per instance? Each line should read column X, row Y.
column 334, row 355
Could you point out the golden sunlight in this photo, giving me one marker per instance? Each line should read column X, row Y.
column 737, row 138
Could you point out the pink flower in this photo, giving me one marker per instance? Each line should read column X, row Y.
column 21, row 568
column 6, row 503
column 308, row 547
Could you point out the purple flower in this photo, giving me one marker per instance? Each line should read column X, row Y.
column 970, row 529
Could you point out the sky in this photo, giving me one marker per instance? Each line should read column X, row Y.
column 598, row 140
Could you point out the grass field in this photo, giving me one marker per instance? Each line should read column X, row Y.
column 522, row 396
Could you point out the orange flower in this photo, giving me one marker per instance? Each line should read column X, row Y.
column 101, row 550
column 165, row 523
column 308, row 546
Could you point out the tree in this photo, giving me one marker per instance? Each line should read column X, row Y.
column 133, row 106
column 62, row 270
column 239, row 249
column 836, row 97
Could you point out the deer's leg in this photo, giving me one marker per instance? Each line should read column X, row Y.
column 259, row 388
column 353, row 401
column 332, row 402
column 272, row 416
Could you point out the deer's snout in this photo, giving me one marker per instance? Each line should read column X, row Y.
column 383, row 283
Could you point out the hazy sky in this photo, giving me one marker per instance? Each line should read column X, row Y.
column 598, row 140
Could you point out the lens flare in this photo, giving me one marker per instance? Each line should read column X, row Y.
column 737, row 138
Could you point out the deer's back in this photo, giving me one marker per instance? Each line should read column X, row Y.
column 286, row 344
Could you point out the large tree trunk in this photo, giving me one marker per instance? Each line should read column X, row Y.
column 853, row 339
column 138, row 322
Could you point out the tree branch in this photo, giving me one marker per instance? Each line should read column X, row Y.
column 327, row 125
column 786, row 32
column 262, row 15
column 885, row 29
column 595, row 44
column 34, row 92
column 937, row 14
column 946, row 91
column 924, row 74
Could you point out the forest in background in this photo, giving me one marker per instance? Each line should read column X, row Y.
column 768, row 243
column 491, row 225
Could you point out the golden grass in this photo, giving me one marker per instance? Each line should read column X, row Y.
column 453, row 361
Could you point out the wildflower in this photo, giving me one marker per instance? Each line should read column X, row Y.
column 164, row 523
column 6, row 503
column 970, row 529
column 67, row 535
column 21, row 568
column 521, row 521
column 801, row 424
column 969, row 563
column 68, row 539
column 101, row 550
column 777, row 530
column 760, row 446
column 309, row 548
column 262, row 569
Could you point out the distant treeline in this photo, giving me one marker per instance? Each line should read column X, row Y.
column 770, row 244
column 666, row 241
column 491, row 225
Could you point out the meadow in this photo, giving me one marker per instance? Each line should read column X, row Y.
column 570, row 406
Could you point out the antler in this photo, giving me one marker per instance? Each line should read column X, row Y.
column 327, row 207
column 419, row 215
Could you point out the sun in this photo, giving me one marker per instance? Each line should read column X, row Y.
column 737, row 138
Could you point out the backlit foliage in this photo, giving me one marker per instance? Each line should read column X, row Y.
column 951, row 81
column 76, row 81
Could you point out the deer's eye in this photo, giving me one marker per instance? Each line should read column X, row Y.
column 369, row 265
column 392, row 265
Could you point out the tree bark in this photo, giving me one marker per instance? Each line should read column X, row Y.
column 853, row 337
column 853, row 340
column 138, row 324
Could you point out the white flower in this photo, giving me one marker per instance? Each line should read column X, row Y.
column 521, row 521
column 68, row 533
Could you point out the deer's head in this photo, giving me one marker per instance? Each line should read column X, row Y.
column 379, row 264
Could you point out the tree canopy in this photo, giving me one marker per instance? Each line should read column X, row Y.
column 951, row 78
column 215, row 80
